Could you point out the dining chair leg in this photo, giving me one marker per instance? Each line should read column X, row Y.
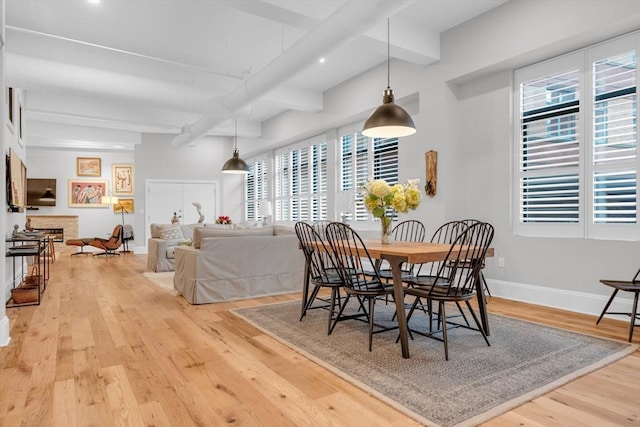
column 613, row 295
column 332, row 306
column 372, row 302
column 309, row 301
column 443, row 315
column 634, row 315
column 475, row 318
column 342, row 306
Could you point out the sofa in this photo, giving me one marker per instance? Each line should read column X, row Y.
column 225, row 265
column 163, row 242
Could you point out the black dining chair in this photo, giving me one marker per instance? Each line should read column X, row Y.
column 469, row 222
column 446, row 282
column 406, row 231
column 321, row 271
column 632, row 286
column 349, row 251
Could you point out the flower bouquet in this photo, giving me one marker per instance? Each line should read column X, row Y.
column 382, row 199
column 223, row 219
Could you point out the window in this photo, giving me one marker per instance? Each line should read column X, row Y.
column 361, row 158
column 577, row 153
column 256, row 189
column 301, row 181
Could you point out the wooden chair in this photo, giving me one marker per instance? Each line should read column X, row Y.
column 348, row 249
column 632, row 285
column 109, row 246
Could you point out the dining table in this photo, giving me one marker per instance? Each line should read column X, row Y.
column 397, row 253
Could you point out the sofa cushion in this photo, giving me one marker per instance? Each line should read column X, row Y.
column 201, row 233
column 187, row 230
column 170, row 232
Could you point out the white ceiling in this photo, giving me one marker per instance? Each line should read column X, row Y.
column 102, row 74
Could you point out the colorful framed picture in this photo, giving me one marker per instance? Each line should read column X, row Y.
column 88, row 166
column 122, row 178
column 87, row 194
column 123, row 205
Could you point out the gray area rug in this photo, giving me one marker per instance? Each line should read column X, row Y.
column 478, row 382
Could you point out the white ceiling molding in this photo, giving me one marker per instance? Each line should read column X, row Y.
column 347, row 23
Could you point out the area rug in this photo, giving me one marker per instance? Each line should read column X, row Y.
column 162, row 280
column 525, row 360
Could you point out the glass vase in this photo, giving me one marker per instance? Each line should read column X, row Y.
column 385, row 231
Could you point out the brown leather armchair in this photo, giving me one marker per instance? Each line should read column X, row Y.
column 109, row 246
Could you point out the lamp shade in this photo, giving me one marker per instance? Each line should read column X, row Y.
column 388, row 120
column 235, row 164
column 48, row 196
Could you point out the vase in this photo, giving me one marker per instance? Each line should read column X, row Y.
column 385, row 231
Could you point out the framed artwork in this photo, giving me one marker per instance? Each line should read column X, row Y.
column 123, row 205
column 88, row 166
column 431, row 172
column 122, row 178
column 87, row 194
column 10, row 109
column 20, row 122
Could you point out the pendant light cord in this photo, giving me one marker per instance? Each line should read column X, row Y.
column 235, row 135
column 388, row 56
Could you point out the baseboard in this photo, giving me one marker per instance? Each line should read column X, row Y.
column 579, row 302
column 5, row 339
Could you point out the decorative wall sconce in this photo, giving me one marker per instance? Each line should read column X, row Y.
column 431, row 163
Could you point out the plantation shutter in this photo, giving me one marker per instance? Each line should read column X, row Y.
column 549, row 152
column 362, row 158
column 256, row 189
column 615, row 139
column 301, row 181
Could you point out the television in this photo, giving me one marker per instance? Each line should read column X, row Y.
column 41, row 192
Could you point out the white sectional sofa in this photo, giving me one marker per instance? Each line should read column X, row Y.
column 224, row 265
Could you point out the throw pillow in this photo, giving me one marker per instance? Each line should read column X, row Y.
column 169, row 232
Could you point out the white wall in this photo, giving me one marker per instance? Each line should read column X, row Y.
column 156, row 158
column 61, row 165
column 467, row 99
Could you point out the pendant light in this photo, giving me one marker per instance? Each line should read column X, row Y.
column 235, row 164
column 388, row 120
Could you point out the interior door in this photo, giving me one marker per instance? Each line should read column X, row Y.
column 166, row 197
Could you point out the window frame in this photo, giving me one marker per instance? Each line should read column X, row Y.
column 586, row 227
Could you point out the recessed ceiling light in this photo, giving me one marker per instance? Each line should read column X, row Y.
column 321, row 60
column 94, row 1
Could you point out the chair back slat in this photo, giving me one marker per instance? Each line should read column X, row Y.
column 317, row 255
column 348, row 249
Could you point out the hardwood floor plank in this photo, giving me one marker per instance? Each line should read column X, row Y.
column 64, row 403
column 122, row 402
column 107, row 347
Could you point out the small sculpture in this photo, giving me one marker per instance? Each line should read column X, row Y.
column 200, row 216
column 15, row 231
column 175, row 219
column 28, row 225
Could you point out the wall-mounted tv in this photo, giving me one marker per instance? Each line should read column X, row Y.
column 41, row 192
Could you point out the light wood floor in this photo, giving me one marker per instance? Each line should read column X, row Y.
column 107, row 347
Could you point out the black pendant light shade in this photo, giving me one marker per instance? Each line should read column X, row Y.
column 48, row 196
column 235, row 165
column 388, row 120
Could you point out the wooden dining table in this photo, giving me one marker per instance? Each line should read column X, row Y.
column 398, row 253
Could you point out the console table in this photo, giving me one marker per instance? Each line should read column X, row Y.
column 35, row 245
